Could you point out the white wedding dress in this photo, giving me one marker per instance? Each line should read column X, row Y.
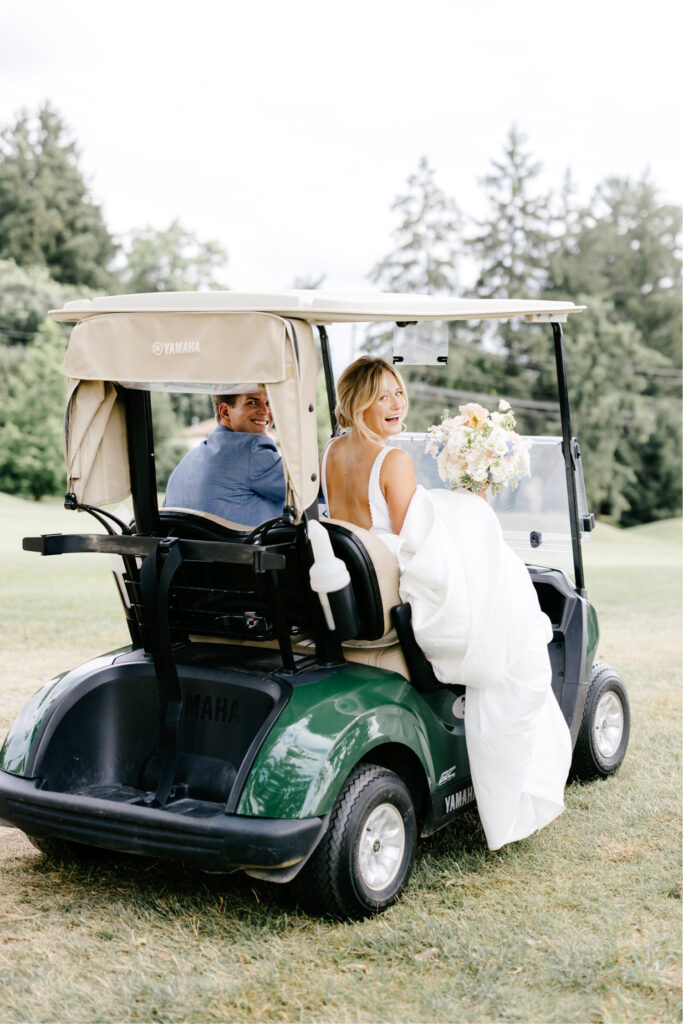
column 476, row 616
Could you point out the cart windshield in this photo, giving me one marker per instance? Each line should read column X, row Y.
column 534, row 516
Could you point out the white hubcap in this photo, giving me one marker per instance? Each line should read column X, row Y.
column 609, row 724
column 382, row 844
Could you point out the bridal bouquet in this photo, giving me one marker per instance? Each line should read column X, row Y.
column 478, row 449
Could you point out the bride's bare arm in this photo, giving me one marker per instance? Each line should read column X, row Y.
column 397, row 480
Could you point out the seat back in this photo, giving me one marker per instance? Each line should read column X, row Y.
column 374, row 576
column 234, row 602
column 228, row 600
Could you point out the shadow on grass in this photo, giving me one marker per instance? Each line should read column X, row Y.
column 100, row 879
column 159, row 888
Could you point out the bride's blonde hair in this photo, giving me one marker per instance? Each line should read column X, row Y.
column 358, row 387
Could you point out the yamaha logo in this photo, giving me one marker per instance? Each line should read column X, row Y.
column 174, row 348
column 205, row 707
column 454, row 801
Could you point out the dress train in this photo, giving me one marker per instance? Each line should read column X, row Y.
column 476, row 616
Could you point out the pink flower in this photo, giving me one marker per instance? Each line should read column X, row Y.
column 474, row 414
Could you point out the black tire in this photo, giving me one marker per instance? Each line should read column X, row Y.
column 605, row 727
column 345, row 876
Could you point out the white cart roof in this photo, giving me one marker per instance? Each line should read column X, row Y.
column 321, row 307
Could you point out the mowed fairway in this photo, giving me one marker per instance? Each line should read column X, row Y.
column 579, row 923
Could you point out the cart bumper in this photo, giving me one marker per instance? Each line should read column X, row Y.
column 199, row 834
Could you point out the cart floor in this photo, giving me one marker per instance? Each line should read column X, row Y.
column 128, row 795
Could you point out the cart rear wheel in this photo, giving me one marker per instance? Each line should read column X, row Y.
column 604, row 733
column 365, row 858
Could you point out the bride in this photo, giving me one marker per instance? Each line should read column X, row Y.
column 475, row 612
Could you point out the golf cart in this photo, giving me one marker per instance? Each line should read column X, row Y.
column 259, row 720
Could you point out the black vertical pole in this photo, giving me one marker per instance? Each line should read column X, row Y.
column 141, row 460
column 329, row 378
column 563, row 393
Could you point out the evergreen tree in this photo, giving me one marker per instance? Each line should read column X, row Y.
column 654, row 490
column 306, row 281
column 566, row 224
column 619, row 256
column 26, row 296
column 428, row 239
column 172, row 260
column 427, row 247
column 612, row 413
column 32, row 401
column 628, row 248
column 623, row 252
column 47, row 216
column 513, row 242
column 512, row 246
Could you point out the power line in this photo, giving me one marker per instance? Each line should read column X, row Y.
column 539, row 360
column 423, row 390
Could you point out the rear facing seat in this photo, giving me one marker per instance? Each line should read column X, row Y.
column 381, row 648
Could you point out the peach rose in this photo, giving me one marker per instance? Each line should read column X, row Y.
column 475, row 414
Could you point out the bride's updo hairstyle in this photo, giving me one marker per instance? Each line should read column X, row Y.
column 358, row 387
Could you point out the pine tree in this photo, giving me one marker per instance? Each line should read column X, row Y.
column 623, row 253
column 513, row 242
column 32, row 401
column 612, row 413
column 513, row 245
column 428, row 240
column 172, row 260
column 47, row 216
column 628, row 249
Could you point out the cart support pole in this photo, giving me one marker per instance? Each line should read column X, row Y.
column 141, row 460
column 569, row 469
column 329, row 379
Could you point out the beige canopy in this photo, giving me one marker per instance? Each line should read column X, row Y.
column 323, row 307
column 185, row 351
column 210, row 341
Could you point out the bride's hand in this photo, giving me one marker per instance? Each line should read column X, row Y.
column 484, row 493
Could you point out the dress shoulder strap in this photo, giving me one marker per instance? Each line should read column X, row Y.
column 379, row 510
column 377, row 465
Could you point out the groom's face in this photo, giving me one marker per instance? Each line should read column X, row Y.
column 385, row 415
column 250, row 414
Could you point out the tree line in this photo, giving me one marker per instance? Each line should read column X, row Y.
column 618, row 254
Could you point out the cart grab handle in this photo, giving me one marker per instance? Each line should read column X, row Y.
column 262, row 558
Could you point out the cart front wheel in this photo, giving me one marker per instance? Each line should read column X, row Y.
column 606, row 725
column 365, row 858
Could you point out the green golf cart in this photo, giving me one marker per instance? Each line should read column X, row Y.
column 250, row 725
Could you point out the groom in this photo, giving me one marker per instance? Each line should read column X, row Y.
column 237, row 472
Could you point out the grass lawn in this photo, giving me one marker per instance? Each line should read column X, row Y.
column 579, row 923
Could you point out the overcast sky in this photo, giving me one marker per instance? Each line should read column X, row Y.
column 285, row 129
